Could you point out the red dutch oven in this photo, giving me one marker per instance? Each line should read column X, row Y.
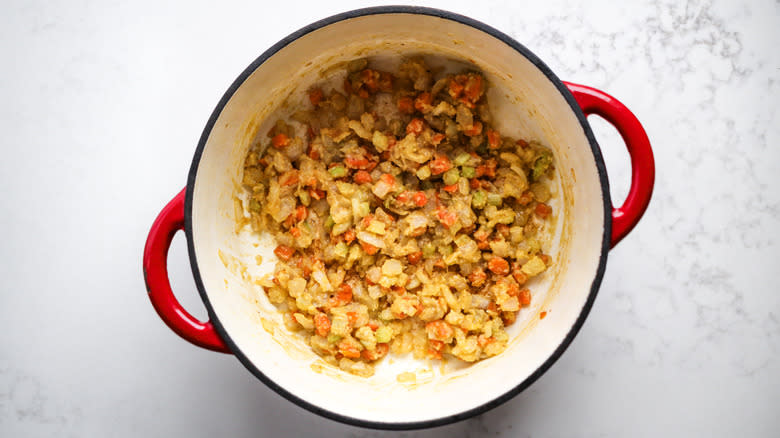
column 529, row 101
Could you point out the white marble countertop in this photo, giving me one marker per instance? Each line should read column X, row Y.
column 103, row 103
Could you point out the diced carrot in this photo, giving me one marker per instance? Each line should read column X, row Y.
column 349, row 349
column 362, row 177
column 519, row 276
column 379, row 352
column 473, row 87
column 317, row 194
column 321, row 324
column 494, row 139
column 414, row 257
column 513, row 290
column 385, row 82
column 342, row 297
column 503, row 230
column 542, row 314
column 388, row 179
column 525, row 297
column 522, row 143
column 440, row 165
column 373, row 325
column 420, row 199
column 474, row 129
column 415, row 126
column 542, row 210
column 300, row 213
column 491, row 307
column 404, row 197
column 545, row 258
column 446, row 216
column 352, row 318
column 288, row 178
column 369, row 248
column 406, row 105
column 452, row 188
column 477, row 277
column 349, row 236
column 437, row 138
column 357, row 162
column 284, row 252
column 439, row 263
column 295, row 231
column 370, row 78
column 498, row 266
column 483, row 340
column 475, row 183
column 280, row 141
column 455, row 89
column 487, row 169
column 439, row 330
column 525, row 198
column 481, row 235
column 436, row 345
column 313, row 153
column 423, row 102
column 509, row 318
column 366, row 221
column 315, row 96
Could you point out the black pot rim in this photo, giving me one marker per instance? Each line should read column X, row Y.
column 601, row 168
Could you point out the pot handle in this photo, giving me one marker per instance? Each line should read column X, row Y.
column 168, row 222
column 593, row 101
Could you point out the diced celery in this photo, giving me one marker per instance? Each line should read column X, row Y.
column 254, row 206
column 383, row 334
column 478, row 199
column 428, row 250
column 445, row 250
column 494, row 199
column 305, row 198
column 338, row 171
column 333, row 338
column 468, row 172
column 451, row 176
column 329, row 222
column 354, row 253
column 341, row 228
column 376, row 227
column 341, row 250
column 462, row 159
column 463, row 186
column 363, row 209
column 541, row 164
column 424, row 172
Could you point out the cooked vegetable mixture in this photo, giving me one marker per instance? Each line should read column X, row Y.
column 405, row 222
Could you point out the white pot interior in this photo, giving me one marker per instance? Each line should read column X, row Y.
column 526, row 104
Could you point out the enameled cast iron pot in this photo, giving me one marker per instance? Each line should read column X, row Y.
column 528, row 100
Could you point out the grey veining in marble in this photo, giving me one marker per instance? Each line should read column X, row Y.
column 103, row 103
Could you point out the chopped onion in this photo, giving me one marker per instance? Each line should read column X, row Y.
column 381, row 189
column 371, row 239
